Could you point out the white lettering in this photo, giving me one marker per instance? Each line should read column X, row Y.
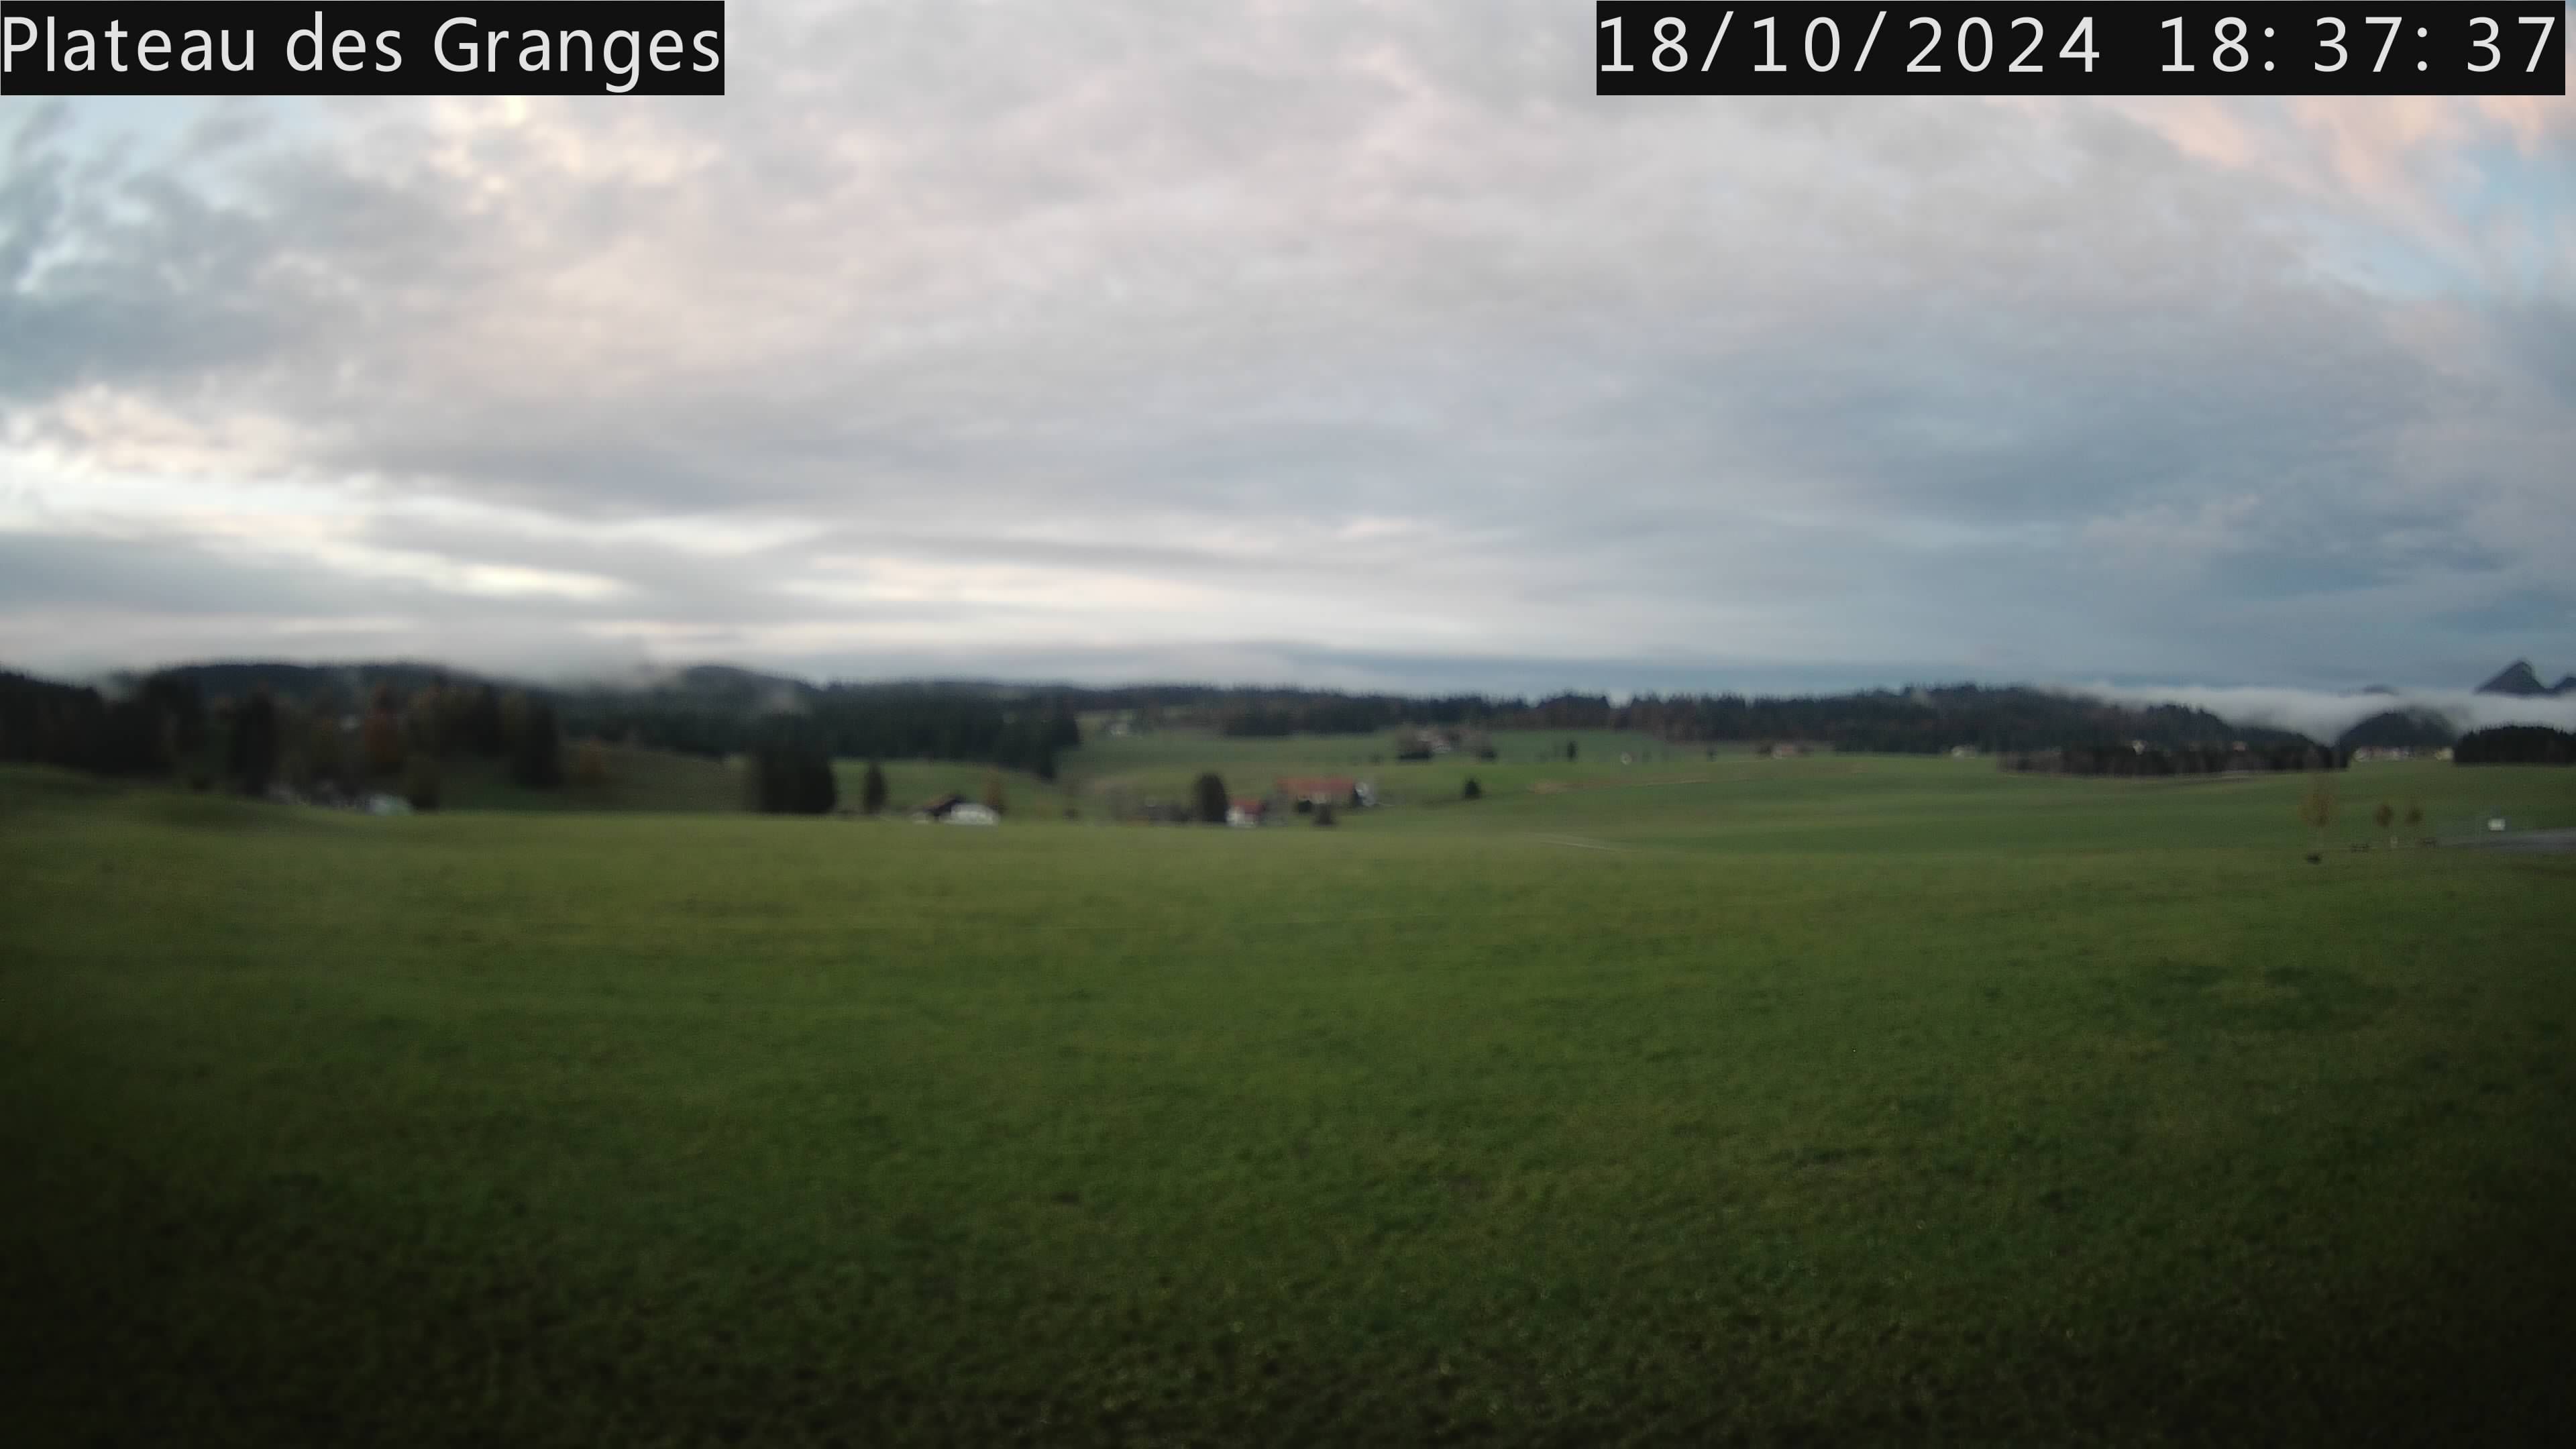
column 629, row 71
column 300, row 37
column 712, row 59
column 438, row 45
column 10, row 44
column 153, row 40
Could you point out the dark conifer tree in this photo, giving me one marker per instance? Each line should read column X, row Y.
column 538, row 761
column 252, row 757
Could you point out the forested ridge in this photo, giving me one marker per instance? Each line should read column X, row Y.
column 165, row 720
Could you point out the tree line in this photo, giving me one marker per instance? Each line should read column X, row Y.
column 1911, row 721
column 2128, row 760
column 2515, row 745
column 848, row 721
column 149, row 730
column 408, row 717
column 324, row 742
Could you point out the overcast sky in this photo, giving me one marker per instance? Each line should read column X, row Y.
column 1335, row 343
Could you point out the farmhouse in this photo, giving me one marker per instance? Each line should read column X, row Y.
column 955, row 809
column 1246, row 811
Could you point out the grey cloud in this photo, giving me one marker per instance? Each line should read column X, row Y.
column 1848, row 381
column 2326, row 715
column 2542, row 333
column 169, row 575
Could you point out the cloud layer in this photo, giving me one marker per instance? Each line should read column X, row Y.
column 2323, row 715
column 1338, row 342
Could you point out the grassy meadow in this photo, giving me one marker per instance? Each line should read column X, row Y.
column 1835, row 1100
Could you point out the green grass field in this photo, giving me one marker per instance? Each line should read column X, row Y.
column 1163, row 764
column 1840, row 1100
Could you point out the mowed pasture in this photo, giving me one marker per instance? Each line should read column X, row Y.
column 1829, row 1101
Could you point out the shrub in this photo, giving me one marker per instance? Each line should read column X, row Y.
column 1473, row 791
column 872, row 790
column 590, row 764
column 536, row 760
column 792, row 778
column 484, row 732
column 326, row 754
column 420, row 782
column 252, row 750
column 382, row 740
column 1324, row 814
column 994, row 799
column 1210, row 798
column 2317, row 807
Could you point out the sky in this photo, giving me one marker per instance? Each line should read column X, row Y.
column 1343, row 344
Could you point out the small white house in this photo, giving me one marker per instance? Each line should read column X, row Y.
column 971, row 813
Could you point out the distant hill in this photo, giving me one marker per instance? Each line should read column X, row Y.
column 717, row 709
column 715, row 688
column 2518, row 679
column 234, row 679
column 2399, row 729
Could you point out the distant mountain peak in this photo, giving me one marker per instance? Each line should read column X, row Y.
column 2518, row 678
column 2565, row 686
column 2407, row 728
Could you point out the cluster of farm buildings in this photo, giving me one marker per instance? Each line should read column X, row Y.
column 1300, row 796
